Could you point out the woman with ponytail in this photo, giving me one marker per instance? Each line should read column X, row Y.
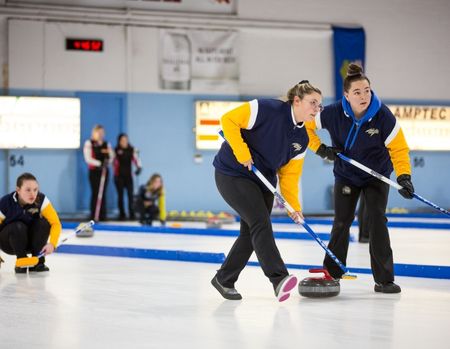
column 364, row 129
column 270, row 134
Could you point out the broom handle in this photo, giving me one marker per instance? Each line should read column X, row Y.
column 78, row 230
column 390, row 182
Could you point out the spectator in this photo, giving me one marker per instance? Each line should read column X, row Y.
column 151, row 201
column 124, row 156
column 98, row 154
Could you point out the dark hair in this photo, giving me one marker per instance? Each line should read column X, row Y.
column 119, row 137
column 24, row 177
column 151, row 180
column 302, row 89
column 354, row 73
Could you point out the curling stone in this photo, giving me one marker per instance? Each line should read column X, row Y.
column 319, row 287
column 86, row 232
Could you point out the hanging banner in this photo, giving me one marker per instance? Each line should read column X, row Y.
column 198, row 60
column 349, row 45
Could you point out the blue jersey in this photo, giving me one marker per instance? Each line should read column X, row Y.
column 366, row 142
column 273, row 138
column 11, row 210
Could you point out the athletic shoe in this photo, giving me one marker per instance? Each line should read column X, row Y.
column 39, row 268
column 19, row 270
column 226, row 292
column 388, row 287
column 284, row 288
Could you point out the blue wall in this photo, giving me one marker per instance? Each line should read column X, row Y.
column 161, row 127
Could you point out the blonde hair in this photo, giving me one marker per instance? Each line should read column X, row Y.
column 95, row 129
column 150, row 182
column 302, row 89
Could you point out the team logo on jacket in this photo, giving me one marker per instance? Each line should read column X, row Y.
column 372, row 131
column 33, row 210
column 297, row 146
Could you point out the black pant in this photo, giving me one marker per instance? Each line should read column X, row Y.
column 363, row 219
column 147, row 214
column 345, row 199
column 16, row 238
column 95, row 176
column 254, row 205
column 122, row 183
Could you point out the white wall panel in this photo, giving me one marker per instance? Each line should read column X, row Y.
column 272, row 61
column 38, row 58
column 26, row 54
column 407, row 50
column 143, row 59
column 407, row 44
column 92, row 71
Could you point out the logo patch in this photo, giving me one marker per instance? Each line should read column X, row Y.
column 372, row 131
column 33, row 210
column 346, row 190
column 297, row 146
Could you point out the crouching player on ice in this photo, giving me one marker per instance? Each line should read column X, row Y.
column 28, row 224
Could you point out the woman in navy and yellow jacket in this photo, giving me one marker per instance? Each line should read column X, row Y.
column 28, row 223
column 270, row 134
column 364, row 129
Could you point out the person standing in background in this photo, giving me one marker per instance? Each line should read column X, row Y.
column 124, row 156
column 98, row 154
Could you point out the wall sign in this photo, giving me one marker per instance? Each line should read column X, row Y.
column 425, row 127
column 207, row 124
column 39, row 123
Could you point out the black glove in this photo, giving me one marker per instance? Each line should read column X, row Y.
column 328, row 153
column 408, row 189
column 138, row 171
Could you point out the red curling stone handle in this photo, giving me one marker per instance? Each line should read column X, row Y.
column 324, row 271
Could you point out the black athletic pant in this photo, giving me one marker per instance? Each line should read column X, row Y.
column 254, row 206
column 95, row 176
column 147, row 214
column 16, row 238
column 345, row 199
column 363, row 219
column 126, row 183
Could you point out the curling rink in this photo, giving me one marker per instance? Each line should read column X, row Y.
column 108, row 292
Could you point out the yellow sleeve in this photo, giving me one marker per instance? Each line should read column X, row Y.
column 232, row 123
column 399, row 153
column 289, row 176
column 314, row 139
column 51, row 216
column 162, row 206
